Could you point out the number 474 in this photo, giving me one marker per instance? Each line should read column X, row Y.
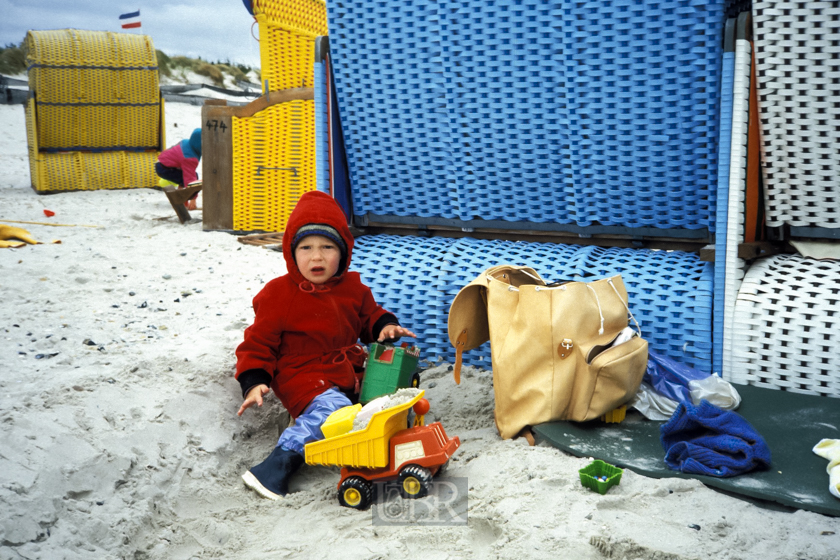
column 216, row 124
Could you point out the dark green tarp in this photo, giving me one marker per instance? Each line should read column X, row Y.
column 790, row 423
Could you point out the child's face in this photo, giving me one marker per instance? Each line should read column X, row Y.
column 317, row 258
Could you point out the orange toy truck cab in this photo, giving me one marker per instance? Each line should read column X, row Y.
column 417, row 454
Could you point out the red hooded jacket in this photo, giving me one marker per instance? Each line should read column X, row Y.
column 302, row 339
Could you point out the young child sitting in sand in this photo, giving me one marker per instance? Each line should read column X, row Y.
column 305, row 334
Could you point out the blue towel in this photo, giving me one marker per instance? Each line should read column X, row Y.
column 711, row 441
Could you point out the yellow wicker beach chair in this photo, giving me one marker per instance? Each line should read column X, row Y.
column 95, row 115
column 288, row 29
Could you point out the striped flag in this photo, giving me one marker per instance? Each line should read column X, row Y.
column 130, row 20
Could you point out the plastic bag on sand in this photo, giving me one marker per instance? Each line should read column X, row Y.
column 651, row 404
column 715, row 390
column 667, row 383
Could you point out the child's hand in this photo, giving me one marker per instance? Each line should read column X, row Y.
column 394, row 331
column 254, row 396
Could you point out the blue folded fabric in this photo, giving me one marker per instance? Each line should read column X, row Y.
column 670, row 378
column 711, row 441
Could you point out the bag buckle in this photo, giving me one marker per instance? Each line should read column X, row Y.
column 565, row 348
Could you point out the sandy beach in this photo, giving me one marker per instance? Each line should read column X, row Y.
column 120, row 437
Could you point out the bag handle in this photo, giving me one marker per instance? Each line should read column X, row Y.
column 598, row 301
column 534, row 276
column 638, row 328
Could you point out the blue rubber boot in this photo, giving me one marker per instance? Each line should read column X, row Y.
column 270, row 479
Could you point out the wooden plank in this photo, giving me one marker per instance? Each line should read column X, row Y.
column 217, row 167
column 753, row 199
column 756, row 249
column 612, row 240
column 221, row 107
column 262, row 239
column 272, row 98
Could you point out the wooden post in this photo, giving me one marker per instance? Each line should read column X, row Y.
column 217, row 165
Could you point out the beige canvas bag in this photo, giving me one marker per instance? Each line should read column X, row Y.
column 550, row 345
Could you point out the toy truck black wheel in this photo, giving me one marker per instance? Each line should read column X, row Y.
column 355, row 492
column 414, row 482
column 415, row 380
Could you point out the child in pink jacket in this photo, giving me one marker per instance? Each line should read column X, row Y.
column 179, row 164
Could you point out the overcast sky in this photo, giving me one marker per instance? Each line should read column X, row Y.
column 215, row 30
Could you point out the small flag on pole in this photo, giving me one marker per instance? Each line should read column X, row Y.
column 130, row 20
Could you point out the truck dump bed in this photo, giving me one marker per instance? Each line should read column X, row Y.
column 367, row 448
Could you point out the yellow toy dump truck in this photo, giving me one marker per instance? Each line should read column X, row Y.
column 383, row 450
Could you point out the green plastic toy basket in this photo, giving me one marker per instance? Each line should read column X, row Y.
column 389, row 368
column 592, row 475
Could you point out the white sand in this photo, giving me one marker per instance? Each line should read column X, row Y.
column 130, row 447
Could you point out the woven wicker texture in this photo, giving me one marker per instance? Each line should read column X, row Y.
column 523, row 111
column 285, row 57
column 273, row 164
column 305, row 17
column 389, row 80
column 670, row 291
column 32, row 142
column 506, row 103
column 727, row 81
column 78, row 170
column 734, row 266
column 404, row 275
column 798, row 65
column 74, row 47
column 98, row 127
column 71, row 171
column 787, row 326
column 94, row 90
column 68, row 85
column 288, row 29
column 322, row 146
